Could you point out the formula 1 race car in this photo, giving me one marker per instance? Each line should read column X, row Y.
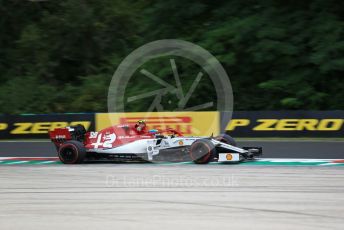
column 125, row 143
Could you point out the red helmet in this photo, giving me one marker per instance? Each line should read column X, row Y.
column 140, row 125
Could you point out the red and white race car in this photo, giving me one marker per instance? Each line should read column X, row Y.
column 134, row 143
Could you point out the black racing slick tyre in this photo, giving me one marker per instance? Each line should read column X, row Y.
column 72, row 152
column 226, row 139
column 202, row 151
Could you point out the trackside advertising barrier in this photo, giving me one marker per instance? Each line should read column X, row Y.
column 188, row 123
column 37, row 126
column 284, row 124
column 242, row 124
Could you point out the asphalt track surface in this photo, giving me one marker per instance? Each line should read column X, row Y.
column 150, row 196
column 272, row 149
column 174, row 196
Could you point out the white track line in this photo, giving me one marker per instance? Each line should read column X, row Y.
column 45, row 162
column 6, row 158
column 16, row 162
column 325, row 164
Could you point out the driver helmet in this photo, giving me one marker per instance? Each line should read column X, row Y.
column 140, row 125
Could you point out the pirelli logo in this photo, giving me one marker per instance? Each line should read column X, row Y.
column 186, row 122
column 155, row 120
column 287, row 124
column 182, row 124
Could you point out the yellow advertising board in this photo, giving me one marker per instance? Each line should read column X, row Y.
column 188, row 123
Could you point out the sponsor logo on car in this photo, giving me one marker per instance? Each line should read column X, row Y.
column 229, row 156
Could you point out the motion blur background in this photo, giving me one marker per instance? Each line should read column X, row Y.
column 59, row 56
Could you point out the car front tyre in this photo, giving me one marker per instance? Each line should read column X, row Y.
column 225, row 138
column 202, row 151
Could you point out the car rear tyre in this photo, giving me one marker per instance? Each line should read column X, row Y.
column 202, row 151
column 72, row 152
column 226, row 139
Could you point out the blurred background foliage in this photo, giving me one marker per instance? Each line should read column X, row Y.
column 59, row 56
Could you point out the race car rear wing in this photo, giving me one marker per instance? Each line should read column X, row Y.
column 60, row 135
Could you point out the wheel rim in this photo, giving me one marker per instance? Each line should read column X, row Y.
column 200, row 151
column 68, row 154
